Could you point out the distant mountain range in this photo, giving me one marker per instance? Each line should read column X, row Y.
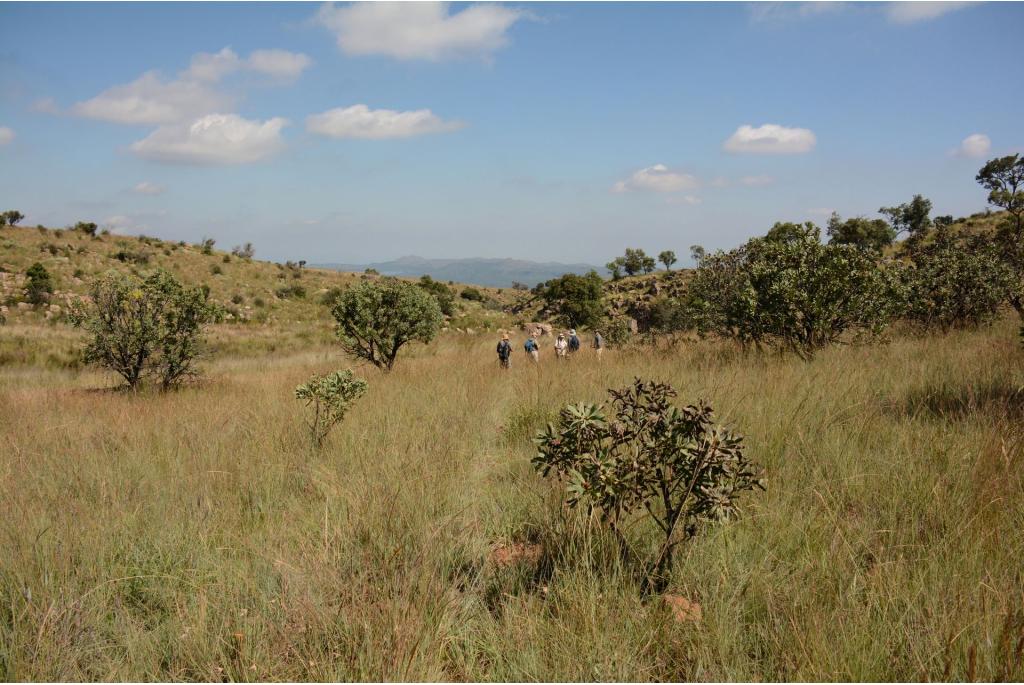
column 495, row 273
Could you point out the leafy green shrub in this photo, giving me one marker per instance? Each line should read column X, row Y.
column 291, row 291
column 86, row 227
column 40, row 284
column 375, row 319
column 617, row 332
column 441, row 292
column 332, row 294
column 206, row 246
column 794, row 293
column 956, row 282
column 216, row 270
column 226, row 259
column 259, row 303
column 140, row 328
column 131, row 257
column 330, row 397
column 237, row 299
column 648, row 458
column 472, row 294
column 576, row 300
column 873, row 235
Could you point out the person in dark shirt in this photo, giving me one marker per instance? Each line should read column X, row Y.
column 505, row 352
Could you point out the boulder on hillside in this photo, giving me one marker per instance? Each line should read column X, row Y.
column 541, row 329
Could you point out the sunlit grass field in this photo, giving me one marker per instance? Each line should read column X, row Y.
column 195, row 536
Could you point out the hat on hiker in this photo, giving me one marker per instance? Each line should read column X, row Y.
column 504, row 336
column 572, row 332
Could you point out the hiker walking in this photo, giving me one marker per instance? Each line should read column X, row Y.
column 561, row 345
column 505, row 352
column 574, row 341
column 598, row 343
column 532, row 349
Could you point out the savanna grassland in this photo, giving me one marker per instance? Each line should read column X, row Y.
column 194, row 535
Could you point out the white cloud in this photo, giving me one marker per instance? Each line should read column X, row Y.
column 359, row 121
column 757, row 181
column 974, row 145
column 658, row 178
column 148, row 188
column 418, row 30
column 151, row 99
column 6, row 135
column 780, row 12
column 771, row 139
column 212, row 67
column 279, row 64
column 911, row 12
column 213, row 139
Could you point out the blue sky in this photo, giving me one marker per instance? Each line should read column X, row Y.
column 541, row 131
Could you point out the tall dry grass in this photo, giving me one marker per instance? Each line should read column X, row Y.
column 194, row 535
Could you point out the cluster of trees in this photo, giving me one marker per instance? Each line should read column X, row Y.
column 790, row 289
column 636, row 261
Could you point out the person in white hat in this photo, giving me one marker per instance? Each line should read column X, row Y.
column 561, row 345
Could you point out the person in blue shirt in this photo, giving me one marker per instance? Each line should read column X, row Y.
column 574, row 341
column 532, row 349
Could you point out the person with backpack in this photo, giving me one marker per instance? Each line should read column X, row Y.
column 574, row 342
column 532, row 349
column 505, row 352
column 598, row 343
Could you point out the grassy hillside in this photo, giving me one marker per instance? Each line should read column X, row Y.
column 269, row 306
column 194, row 535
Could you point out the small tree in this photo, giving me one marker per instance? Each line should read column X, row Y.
column 697, row 253
column 11, row 217
column 376, row 319
column 668, row 258
column 646, row 457
column 910, row 218
column 441, row 292
column 873, row 235
column 206, row 246
column 787, row 231
column 576, row 299
column 330, row 397
column 40, row 284
column 615, row 268
column 140, row 328
column 86, row 227
column 1004, row 179
column 244, row 251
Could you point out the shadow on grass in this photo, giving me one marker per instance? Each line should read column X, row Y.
column 994, row 398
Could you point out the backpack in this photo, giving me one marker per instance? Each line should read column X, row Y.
column 574, row 343
column 530, row 345
column 504, row 349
